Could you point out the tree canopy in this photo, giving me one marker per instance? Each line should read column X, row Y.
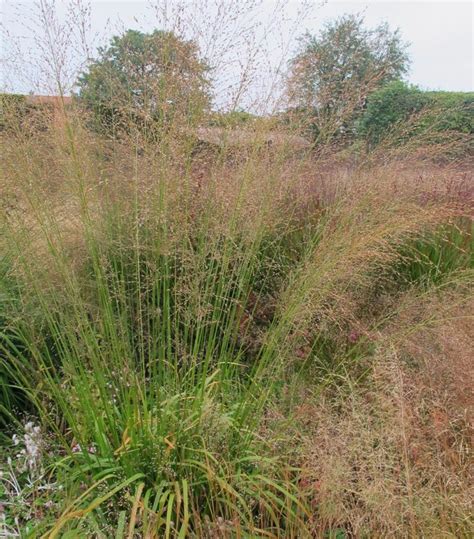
column 146, row 79
column 335, row 71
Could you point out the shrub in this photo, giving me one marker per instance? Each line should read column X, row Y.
column 401, row 112
column 388, row 107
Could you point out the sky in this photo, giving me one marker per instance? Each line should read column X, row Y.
column 249, row 41
column 440, row 34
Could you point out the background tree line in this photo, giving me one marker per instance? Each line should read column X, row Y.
column 344, row 86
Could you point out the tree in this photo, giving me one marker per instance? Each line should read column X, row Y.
column 145, row 81
column 334, row 72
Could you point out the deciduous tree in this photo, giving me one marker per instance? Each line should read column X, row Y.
column 146, row 80
column 335, row 71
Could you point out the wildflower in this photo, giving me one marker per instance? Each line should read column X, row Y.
column 354, row 336
column 32, row 440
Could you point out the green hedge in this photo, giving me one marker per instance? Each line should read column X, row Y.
column 408, row 111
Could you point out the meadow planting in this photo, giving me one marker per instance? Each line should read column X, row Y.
column 246, row 333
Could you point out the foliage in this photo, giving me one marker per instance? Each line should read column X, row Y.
column 9, row 295
column 145, row 80
column 411, row 111
column 11, row 104
column 334, row 72
column 6, row 99
column 388, row 106
column 235, row 118
column 437, row 256
column 455, row 111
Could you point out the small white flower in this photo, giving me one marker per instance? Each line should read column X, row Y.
column 31, row 444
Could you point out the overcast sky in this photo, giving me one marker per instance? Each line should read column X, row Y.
column 440, row 34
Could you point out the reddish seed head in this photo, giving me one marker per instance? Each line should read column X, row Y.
column 354, row 336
